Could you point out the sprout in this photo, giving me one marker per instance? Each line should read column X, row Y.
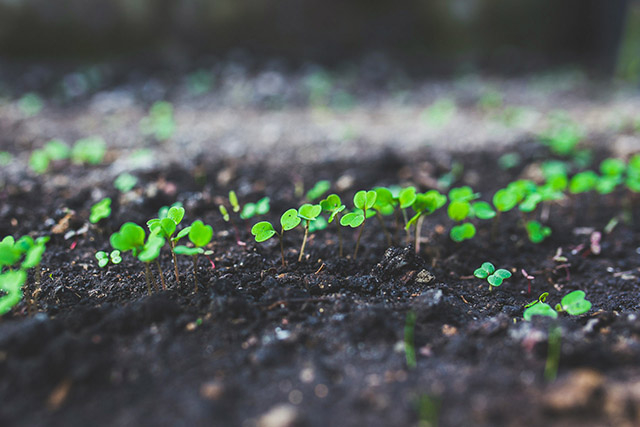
column 539, row 309
column 482, row 210
column 333, row 206
column 125, row 182
column 11, row 283
column 574, row 303
column 100, row 210
column 200, row 235
column 318, row 190
column 131, row 237
column 462, row 232
column 308, row 213
column 89, row 150
column 104, row 257
column 583, row 182
column 39, row 161
column 458, row 210
column 405, row 199
column 30, row 104
column 263, row 230
column 493, row 276
column 165, row 225
column 385, row 205
column 633, row 174
column 563, row 136
column 529, row 278
column 504, row 200
column 537, row 232
column 423, row 205
column 363, row 200
column 57, row 149
column 261, row 207
column 159, row 122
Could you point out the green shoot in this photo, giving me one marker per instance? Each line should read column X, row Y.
column 574, row 303
column 385, row 205
column 125, row 182
column 405, row 199
column 363, row 200
column 261, row 207
column 160, row 122
column 423, row 205
column 104, row 258
column 100, row 210
column 459, row 209
column 39, row 161
column 308, row 213
column 318, row 190
column 537, row 232
column 57, row 149
column 88, row 150
column 263, row 230
column 200, row 235
column 11, row 283
column 553, row 353
column 494, row 277
column 165, row 225
column 30, row 104
column 333, row 206
column 233, row 201
column 462, row 232
column 583, row 182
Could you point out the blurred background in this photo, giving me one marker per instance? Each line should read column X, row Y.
column 426, row 36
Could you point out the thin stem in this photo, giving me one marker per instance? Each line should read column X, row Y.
column 494, row 228
column 164, row 285
column 384, row 228
column 195, row 273
column 417, row 233
column 355, row 253
column 304, row 240
column 337, row 220
column 175, row 262
column 280, row 236
column 146, row 277
column 404, row 216
column 153, row 279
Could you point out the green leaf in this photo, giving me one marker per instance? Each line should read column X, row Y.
column 9, row 253
column 575, row 303
column 488, row 267
column 233, row 200
column 384, row 198
column 290, row 219
column 318, row 190
column 151, row 249
column 263, row 231
column 176, row 213
column 100, row 210
column 102, row 262
column 248, row 211
column 364, row 199
column 200, row 234
column 309, row 212
column 462, row 194
column 352, row 220
column 33, row 256
column 612, row 167
column 540, row 309
column 89, row 150
column 319, row 224
column 130, row 237
column 495, row 280
column 458, row 210
column 182, row 233
column 483, row 210
column 125, row 182
column 530, row 203
column 263, row 206
column 481, row 273
column 184, row 250
column 504, row 200
column 11, row 283
column 583, row 182
column 224, row 212
column 39, row 161
column 406, row 197
column 57, row 149
column 462, row 232
column 331, row 203
column 537, row 232
column 115, row 257
column 168, row 227
column 502, row 273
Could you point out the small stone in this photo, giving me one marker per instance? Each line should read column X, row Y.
column 212, row 390
column 281, row 415
column 449, row 331
column 424, row 276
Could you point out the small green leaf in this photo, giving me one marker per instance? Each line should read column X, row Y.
column 462, row 194
column 502, row 273
column 125, row 182
column 290, row 219
column 263, row 206
column 364, row 199
column 200, row 234
column 100, row 210
column 318, row 190
column 481, row 273
column 185, row 250
column 504, row 200
column 495, row 280
column 583, row 182
column 575, row 303
column 248, row 211
column 39, row 161
column 482, row 210
column 115, row 257
column 263, row 231
column 184, row 232
column 168, row 227
column 233, row 200
column 462, row 232
column 176, row 213
column 406, row 197
column 458, row 210
column 57, row 149
column 352, row 220
column 488, row 267
column 130, row 237
column 540, row 309
column 224, row 212
column 319, row 224
column 309, row 212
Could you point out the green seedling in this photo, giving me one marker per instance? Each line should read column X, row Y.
column 261, row 207
column 11, row 283
column 131, row 237
column 57, row 149
column 5, row 158
column 539, row 308
column 509, row 161
column 233, row 201
column 462, row 232
column 440, row 112
column 165, row 226
column 494, row 277
column 100, row 210
column 160, row 122
column 537, row 232
column 104, row 258
column 89, row 150
column 39, row 161
column 334, row 207
column 363, row 200
column 318, row 190
column 633, row 174
column 307, row 213
column 424, row 204
column 449, row 178
column 482, row 210
column 574, row 303
column 385, row 205
column 583, row 182
column 30, row 104
column 458, row 210
column 125, row 182
column 263, row 230
column 563, row 136
column 200, row 235
column 405, row 200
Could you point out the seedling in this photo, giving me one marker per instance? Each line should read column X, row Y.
column 537, row 232
column 159, row 122
column 39, row 161
column 200, row 235
column 405, row 200
column 574, row 303
column 100, row 210
column 89, row 150
column 363, row 200
column 583, row 182
column 529, row 278
column 459, row 209
column 385, row 205
column 57, row 149
column 30, row 104
column 104, row 258
column 125, row 182
column 424, row 204
column 318, row 190
column 494, row 277
column 333, row 206
column 165, row 225
column 308, row 213
column 563, row 136
column 131, row 237
column 263, row 230
column 11, row 283
column 261, row 207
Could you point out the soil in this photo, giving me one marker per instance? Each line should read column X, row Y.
column 322, row 341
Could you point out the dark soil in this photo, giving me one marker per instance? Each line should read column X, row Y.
column 318, row 342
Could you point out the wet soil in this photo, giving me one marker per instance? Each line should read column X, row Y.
column 322, row 341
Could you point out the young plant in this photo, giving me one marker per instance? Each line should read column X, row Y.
column 100, row 210
column 308, row 213
column 89, row 150
column 574, row 303
column 385, row 205
column 459, row 209
column 261, row 207
column 160, row 122
column 125, row 182
column 406, row 198
column 11, row 283
column 424, row 204
column 529, row 278
column 165, row 226
column 131, row 237
column 200, row 235
column 364, row 201
column 263, row 230
column 494, row 277
column 333, row 206
column 318, row 190
column 104, row 258
column 537, row 232
column 583, row 182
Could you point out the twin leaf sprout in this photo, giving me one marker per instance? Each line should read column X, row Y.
column 574, row 303
column 494, row 277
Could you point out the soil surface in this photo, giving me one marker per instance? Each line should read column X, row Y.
column 322, row 341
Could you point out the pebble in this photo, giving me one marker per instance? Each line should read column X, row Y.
column 281, row 415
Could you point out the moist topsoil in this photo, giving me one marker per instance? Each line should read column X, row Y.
column 322, row 341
